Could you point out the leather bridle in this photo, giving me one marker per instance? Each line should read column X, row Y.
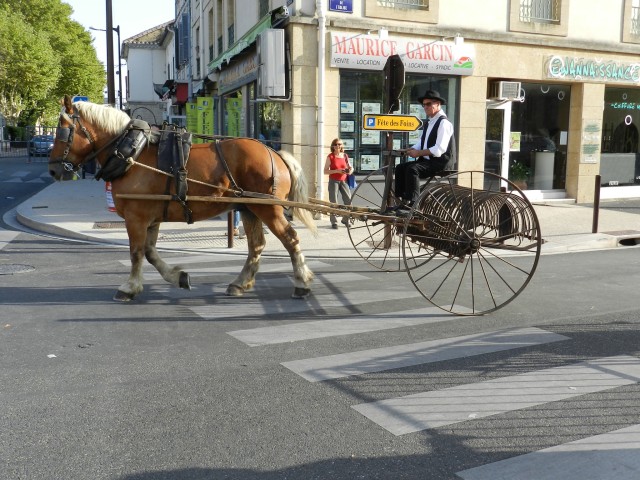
column 66, row 134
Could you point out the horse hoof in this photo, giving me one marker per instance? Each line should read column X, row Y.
column 121, row 296
column 301, row 292
column 234, row 291
column 184, row 281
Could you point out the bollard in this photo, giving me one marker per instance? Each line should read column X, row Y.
column 111, row 206
column 596, row 204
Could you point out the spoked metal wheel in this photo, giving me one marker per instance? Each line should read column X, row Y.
column 378, row 240
column 470, row 246
column 375, row 240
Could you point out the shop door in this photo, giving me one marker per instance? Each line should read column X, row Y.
column 496, row 145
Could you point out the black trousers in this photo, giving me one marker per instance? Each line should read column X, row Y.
column 408, row 175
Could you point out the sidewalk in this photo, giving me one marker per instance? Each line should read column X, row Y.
column 78, row 209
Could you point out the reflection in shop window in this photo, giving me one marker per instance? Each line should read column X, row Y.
column 270, row 124
column 540, row 124
column 620, row 149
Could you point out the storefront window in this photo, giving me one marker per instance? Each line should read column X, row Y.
column 269, row 123
column 539, row 134
column 620, row 150
column 363, row 93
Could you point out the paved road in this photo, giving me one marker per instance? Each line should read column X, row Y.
column 20, row 179
column 362, row 380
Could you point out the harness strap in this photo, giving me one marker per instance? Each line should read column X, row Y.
column 236, row 189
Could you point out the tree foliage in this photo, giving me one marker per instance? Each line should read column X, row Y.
column 44, row 54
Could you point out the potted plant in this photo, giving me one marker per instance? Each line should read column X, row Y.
column 519, row 174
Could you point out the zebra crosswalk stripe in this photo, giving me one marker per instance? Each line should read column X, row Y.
column 6, row 236
column 295, row 332
column 380, row 359
column 612, row 455
column 252, row 307
column 433, row 409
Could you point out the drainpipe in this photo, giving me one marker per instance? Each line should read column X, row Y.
column 201, row 42
column 322, row 30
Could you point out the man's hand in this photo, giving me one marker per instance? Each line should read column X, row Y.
column 412, row 152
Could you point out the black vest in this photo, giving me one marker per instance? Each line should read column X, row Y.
column 450, row 155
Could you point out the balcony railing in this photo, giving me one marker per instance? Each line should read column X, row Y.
column 635, row 21
column 540, row 11
column 410, row 4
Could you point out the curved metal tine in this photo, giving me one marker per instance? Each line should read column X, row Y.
column 448, row 210
column 518, row 211
column 418, row 259
column 432, row 256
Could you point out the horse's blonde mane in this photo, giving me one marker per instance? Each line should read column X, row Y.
column 103, row 116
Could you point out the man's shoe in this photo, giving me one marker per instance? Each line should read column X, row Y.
column 334, row 226
column 402, row 207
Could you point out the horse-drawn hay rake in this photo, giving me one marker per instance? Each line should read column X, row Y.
column 469, row 245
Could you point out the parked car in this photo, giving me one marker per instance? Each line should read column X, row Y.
column 41, row 145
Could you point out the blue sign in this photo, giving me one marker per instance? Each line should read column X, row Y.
column 344, row 6
column 371, row 122
column 79, row 98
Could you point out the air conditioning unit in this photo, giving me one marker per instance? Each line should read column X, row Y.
column 505, row 90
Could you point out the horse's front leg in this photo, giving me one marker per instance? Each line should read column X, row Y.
column 134, row 285
column 174, row 275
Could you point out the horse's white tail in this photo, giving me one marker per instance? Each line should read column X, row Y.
column 298, row 191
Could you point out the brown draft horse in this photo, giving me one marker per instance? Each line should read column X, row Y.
column 86, row 130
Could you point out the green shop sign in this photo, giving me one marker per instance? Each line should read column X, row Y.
column 571, row 68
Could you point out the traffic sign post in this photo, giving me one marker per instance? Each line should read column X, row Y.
column 392, row 123
column 393, row 86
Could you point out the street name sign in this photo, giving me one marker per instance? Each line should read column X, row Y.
column 392, row 123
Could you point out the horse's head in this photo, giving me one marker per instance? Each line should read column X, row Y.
column 97, row 125
column 69, row 150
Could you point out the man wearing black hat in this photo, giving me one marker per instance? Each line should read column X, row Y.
column 433, row 153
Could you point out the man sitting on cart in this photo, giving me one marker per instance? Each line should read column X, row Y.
column 434, row 152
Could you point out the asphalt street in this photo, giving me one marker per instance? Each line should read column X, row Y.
column 364, row 379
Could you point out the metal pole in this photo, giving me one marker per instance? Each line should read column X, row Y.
column 111, row 97
column 596, row 204
column 117, row 29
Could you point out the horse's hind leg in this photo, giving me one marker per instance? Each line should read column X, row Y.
column 255, row 242
column 174, row 275
column 281, row 228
